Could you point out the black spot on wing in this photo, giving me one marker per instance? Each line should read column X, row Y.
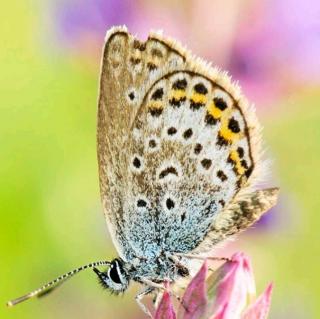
column 151, row 66
column 223, row 177
column 221, row 141
column 220, row 103
column 210, row 120
column 157, row 94
column 233, row 125
column 187, row 134
column 156, row 112
column 200, row 88
column 131, row 96
column 180, row 84
column 170, row 203
column 240, row 151
column 172, row 131
column 195, row 105
column 139, row 45
column 136, row 162
column 177, row 102
column 141, row 203
column 206, row 163
column 167, row 171
column 197, row 149
column 152, row 143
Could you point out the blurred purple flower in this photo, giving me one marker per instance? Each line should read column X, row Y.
column 278, row 46
column 228, row 293
column 77, row 18
column 274, row 46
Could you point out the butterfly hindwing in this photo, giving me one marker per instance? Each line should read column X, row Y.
column 190, row 154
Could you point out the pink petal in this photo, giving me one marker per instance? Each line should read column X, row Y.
column 165, row 309
column 194, row 298
column 220, row 312
column 260, row 308
column 233, row 284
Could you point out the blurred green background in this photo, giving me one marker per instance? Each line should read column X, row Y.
column 51, row 217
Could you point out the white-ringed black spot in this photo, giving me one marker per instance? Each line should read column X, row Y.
column 183, row 217
column 200, row 88
column 206, row 163
column 233, row 125
column 197, row 149
column 187, row 134
column 131, row 95
column 220, row 103
column 167, row 171
column 136, row 162
column 172, row 131
column 152, row 143
column 141, row 203
column 170, row 203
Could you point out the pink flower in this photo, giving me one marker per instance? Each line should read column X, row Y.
column 228, row 293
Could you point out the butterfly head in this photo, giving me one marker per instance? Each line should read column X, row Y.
column 115, row 278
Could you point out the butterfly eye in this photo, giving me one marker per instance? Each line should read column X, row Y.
column 114, row 275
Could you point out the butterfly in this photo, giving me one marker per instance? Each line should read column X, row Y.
column 179, row 154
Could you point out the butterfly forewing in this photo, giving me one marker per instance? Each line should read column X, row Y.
column 129, row 67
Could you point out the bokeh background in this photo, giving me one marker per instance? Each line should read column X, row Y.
column 50, row 213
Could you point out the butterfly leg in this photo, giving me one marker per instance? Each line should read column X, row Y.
column 139, row 298
column 157, row 298
column 203, row 257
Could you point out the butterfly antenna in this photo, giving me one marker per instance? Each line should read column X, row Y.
column 52, row 285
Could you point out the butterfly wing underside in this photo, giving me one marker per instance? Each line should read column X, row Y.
column 174, row 160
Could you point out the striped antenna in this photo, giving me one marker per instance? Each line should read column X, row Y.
column 52, row 285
